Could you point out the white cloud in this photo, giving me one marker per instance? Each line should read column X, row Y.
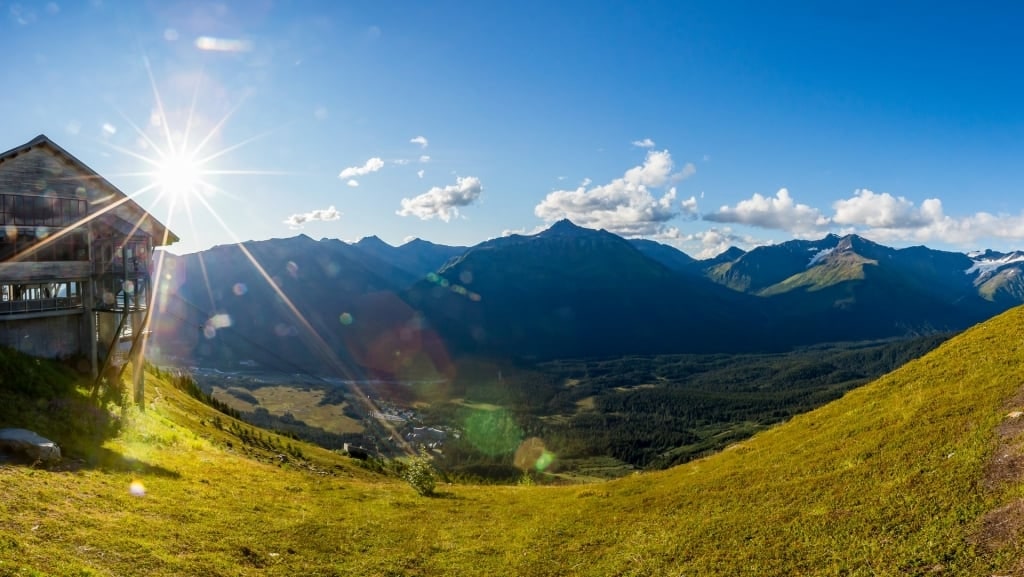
column 689, row 169
column 400, row 161
column 690, row 210
column 965, row 230
column 714, row 241
column 352, row 182
column 888, row 218
column 645, row 143
column 443, row 203
column 215, row 44
column 420, row 173
column 372, row 165
column 322, row 214
column 424, row 159
column 420, row 140
column 624, row 206
column 778, row 212
column 866, row 208
column 523, row 230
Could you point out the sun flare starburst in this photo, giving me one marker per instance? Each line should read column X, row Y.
column 184, row 174
column 178, row 174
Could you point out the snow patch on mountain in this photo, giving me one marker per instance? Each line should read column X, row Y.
column 985, row 266
column 820, row 256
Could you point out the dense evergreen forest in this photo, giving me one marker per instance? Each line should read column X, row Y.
column 659, row 411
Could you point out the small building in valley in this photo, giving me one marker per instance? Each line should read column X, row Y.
column 75, row 259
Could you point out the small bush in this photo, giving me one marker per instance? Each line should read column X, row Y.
column 420, row 474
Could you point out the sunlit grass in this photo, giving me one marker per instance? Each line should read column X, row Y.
column 889, row 480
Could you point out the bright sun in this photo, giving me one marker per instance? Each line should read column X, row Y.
column 179, row 174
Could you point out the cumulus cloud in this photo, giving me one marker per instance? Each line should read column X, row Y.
column 645, row 143
column 420, row 140
column 626, row 205
column 883, row 217
column 372, row 165
column 779, row 212
column 323, row 214
column 352, row 182
column 965, row 230
column 443, row 203
column 690, row 210
column 714, row 241
column 888, row 218
column 420, row 173
column 884, row 210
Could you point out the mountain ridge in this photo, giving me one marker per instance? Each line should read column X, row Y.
column 573, row 291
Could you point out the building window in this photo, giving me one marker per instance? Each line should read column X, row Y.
column 43, row 244
column 39, row 297
column 25, row 210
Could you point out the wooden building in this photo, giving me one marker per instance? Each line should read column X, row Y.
column 75, row 259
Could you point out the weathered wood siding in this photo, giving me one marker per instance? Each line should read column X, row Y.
column 40, row 172
column 49, row 337
column 44, row 271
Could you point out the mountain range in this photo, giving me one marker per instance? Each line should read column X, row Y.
column 372, row 309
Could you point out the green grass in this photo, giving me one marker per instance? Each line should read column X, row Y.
column 846, row 268
column 888, row 480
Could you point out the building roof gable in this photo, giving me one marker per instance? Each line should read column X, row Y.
column 115, row 203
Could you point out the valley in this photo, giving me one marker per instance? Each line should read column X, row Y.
column 598, row 418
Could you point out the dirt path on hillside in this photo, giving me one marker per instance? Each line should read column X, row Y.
column 1005, row 525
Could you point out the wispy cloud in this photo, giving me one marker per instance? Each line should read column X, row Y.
column 214, row 44
column 320, row 214
column 424, row 159
column 645, row 143
column 372, row 165
column 443, row 203
column 352, row 183
column 421, row 140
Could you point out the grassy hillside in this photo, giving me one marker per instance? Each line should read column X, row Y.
column 916, row 473
column 846, row 267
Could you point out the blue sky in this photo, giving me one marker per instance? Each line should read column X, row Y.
column 701, row 125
